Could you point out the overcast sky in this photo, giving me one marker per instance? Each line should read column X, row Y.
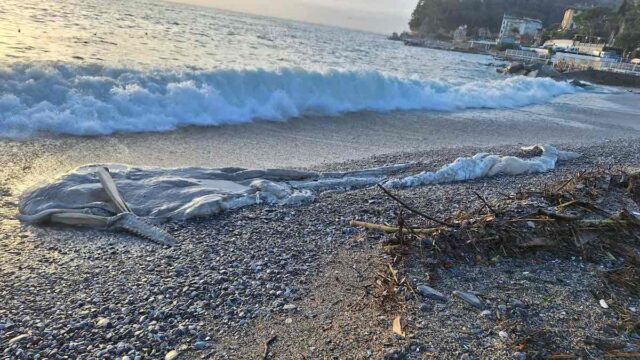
column 382, row 16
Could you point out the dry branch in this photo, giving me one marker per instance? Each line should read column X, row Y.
column 417, row 212
column 392, row 230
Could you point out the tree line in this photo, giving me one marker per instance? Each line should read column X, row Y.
column 618, row 17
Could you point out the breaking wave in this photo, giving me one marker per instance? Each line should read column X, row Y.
column 94, row 100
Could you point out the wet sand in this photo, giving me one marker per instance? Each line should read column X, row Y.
column 581, row 119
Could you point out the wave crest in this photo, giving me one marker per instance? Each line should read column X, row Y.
column 94, row 100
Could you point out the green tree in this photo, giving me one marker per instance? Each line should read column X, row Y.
column 628, row 26
column 594, row 22
column 432, row 16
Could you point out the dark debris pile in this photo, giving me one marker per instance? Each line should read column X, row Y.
column 594, row 215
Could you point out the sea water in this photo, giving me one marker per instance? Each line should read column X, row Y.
column 88, row 67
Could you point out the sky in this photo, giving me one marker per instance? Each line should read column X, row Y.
column 381, row 16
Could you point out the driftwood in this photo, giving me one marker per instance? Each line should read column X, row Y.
column 392, row 230
column 265, row 353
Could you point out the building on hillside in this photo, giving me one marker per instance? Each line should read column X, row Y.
column 484, row 33
column 580, row 45
column 519, row 30
column 568, row 20
column 460, row 34
column 482, row 45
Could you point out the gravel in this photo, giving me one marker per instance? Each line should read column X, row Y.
column 238, row 279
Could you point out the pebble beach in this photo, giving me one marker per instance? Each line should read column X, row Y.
column 297, row 274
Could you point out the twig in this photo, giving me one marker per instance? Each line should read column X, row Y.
column 572, row 202
column 557, row 216
column 417, row 212
column 567, row 182
column 265, row 354
column 485, row 203
column 392, row 230
column 618, row 355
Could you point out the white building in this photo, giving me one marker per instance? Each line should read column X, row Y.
column 460, row 34
column 519, row 30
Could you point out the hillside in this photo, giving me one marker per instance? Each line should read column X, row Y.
column 432, row 16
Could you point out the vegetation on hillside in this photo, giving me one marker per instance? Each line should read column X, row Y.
column 622, row 22
column 620, row 18
column 437, row 16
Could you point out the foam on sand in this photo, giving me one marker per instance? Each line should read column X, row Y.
column 95, row 100
column 184, row 193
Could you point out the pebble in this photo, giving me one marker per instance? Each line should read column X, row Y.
column 604, row 304
column 519, row 356
column 470, row 299
column 200, row 345
column 171, row 355
column 431, row 293
column 19, row 338
column 103, row 323
column 504, row 336
column 289, row 307
column 288, row 321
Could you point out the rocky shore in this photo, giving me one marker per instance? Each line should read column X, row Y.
column 299, row 282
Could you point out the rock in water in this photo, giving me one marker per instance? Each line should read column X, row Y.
column 431, row 293
column 515, row 67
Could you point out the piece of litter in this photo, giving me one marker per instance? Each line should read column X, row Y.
column 604, row 304
column 397, row 326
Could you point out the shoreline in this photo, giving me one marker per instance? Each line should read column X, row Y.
column 241, row 278
column 313, row 141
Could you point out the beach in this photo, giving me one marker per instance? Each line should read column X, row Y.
column 488, row 250
column 296, row 276
column 242, row 278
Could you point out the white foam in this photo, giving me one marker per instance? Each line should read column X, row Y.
column 94, row 100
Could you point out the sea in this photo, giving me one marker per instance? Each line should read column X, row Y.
column 95, row 67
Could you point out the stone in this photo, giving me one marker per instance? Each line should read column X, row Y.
column 288, row 321
column 200, row 345
column 519, row 356
column 431, row 293
column 604, row 304
column 515, row 68
column 171, row 355
column 103, row 323
column 19, row 338
column 504, row 336
column 469, row 298
column 289, row 307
